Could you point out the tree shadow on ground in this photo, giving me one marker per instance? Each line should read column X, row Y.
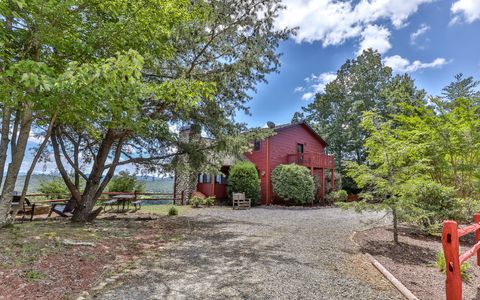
column 215, row 261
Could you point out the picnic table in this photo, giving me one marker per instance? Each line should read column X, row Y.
column 122, row 200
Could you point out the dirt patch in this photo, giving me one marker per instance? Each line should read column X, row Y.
column 38, row 262
column 412, row 262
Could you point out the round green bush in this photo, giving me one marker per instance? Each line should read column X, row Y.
column 293, row 183
column 428, row 204
column 243, row 178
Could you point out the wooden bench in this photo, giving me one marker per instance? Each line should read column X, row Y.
column 240, row 202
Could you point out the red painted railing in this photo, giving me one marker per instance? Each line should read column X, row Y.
column 310, row 159
column 453, row 260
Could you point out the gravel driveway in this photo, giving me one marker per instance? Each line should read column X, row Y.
column 262, row 253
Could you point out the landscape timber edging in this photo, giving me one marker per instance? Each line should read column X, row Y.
column 389, row 276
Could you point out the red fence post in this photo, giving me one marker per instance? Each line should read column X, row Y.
column 452, row 260
column 476, row 219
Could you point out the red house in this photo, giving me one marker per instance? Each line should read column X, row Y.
column 293, row 143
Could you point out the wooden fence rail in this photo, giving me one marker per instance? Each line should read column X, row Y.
column 453, row 260
column 159, row 197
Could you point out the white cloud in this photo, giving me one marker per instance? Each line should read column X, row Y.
column 308, row 96
column 402, row 65
column 299, row 89
column 317, row 85
column 418, row 33
column 333, row 22
column 321, row 81
column 375, row 37
column 466, row 9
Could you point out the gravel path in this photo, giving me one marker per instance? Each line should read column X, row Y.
column 262, row 253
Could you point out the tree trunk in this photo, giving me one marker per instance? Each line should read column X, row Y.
column 32, row 166
column 91, row 193
column 395, row 224
column 14, row 166
column 4, row 140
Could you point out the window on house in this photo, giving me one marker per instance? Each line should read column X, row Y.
column 256, row 145
column 204, row 178
column 207, row 178
column 220, row 179
column 299, row 148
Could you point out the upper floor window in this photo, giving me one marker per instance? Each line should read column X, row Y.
column 299, row 148
column 256, row 145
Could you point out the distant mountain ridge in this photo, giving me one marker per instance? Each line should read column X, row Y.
column 152, row 183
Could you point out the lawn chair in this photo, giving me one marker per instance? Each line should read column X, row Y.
column 27, row 207
column 240, row 202
column 65, row 210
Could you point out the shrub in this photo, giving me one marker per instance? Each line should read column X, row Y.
column 328, row 181
column 337, row 196
column 427, row 204
column 124, row 182
column 195, row 201
column 55, row 188
column 173, row 211
column 441, row 266
column 209, row 201
column 243, row 178
column 293, row 182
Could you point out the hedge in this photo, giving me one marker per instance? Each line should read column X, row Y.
column 243, row 178
column 293, row 183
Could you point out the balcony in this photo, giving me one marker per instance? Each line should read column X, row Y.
column 316, row 160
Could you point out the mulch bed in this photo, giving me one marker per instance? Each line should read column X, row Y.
column 412, row 262
column 37, row 263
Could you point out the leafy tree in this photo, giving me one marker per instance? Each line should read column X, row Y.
column 391, row 163
column 297, row 117
column 55, row 188
column 125, row 182
column 243, row 178
column 460, row 88
column 362, row 84
column 337, row 113
column 159, row 64
column 293, row 182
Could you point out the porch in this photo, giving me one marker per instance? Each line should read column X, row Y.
column 317, row 163
column 312, row 160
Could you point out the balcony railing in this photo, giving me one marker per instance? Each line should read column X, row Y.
column 316, row 160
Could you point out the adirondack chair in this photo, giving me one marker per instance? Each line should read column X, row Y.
column 64, row 210
column 27, row 208
column 240, row 202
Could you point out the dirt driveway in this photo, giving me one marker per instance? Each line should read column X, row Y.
column 262, row 253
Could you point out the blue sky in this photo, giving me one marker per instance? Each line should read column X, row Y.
column 430, row 40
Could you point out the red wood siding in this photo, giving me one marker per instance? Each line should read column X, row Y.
column 205, row 188
column 259, row 158
column 275, row 149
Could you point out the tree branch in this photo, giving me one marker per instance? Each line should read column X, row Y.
column 111, row 171
column 71, row 187
column 64, row 151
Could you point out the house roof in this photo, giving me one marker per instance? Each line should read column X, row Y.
column 303, row 122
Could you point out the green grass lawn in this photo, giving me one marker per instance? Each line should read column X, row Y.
column 162, row 209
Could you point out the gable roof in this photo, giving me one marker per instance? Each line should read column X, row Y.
column 305, row 123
